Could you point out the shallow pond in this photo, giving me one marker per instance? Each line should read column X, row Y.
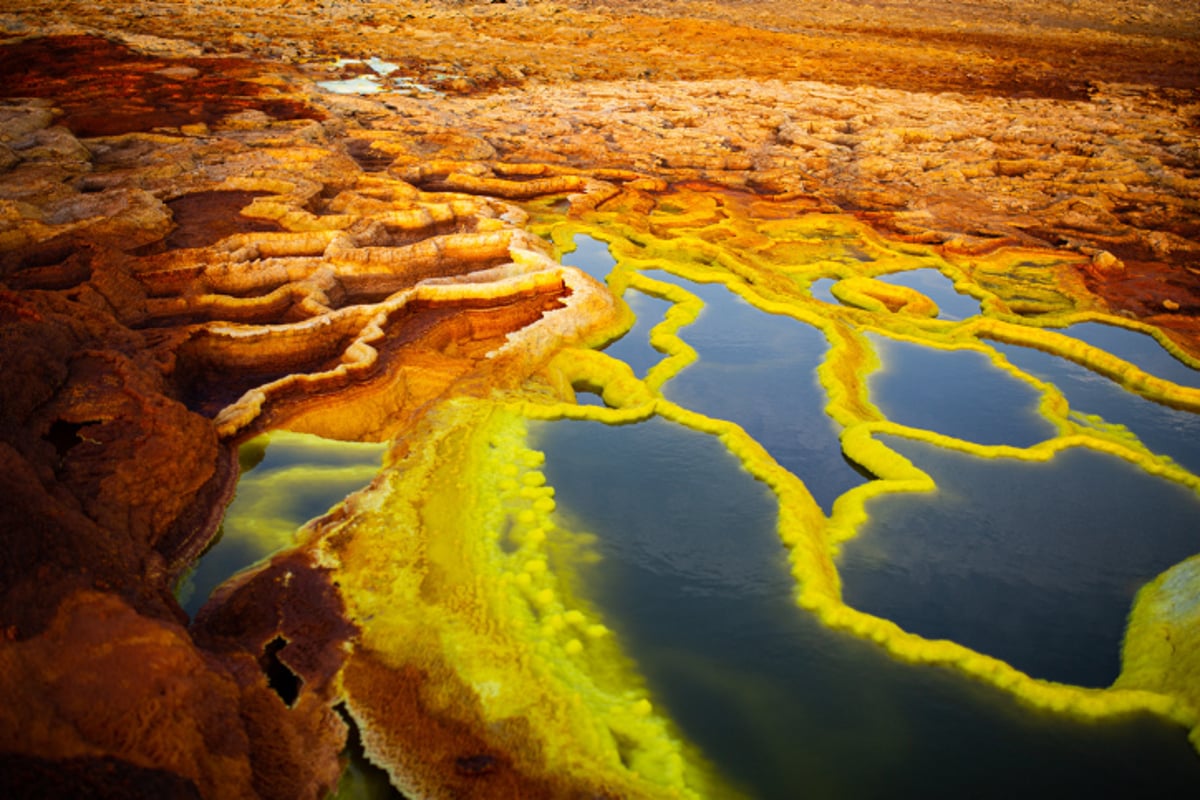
column 759, row 371
column 958, row 393
column 693, row 578
column 381, row 78
column 1165, row 430
column 952, row 304
column 1033, row 562
column 1136, row 347
column 287, row 479
column 1025, row 546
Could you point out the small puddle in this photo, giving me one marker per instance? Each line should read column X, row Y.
column 381, row 78
column 952, row 304
column 360, row 84
column 287, row 479
column 634, row 347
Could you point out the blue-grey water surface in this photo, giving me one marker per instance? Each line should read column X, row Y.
column 693, row 580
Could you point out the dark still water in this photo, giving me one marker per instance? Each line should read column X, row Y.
column 287, row 479
column 694, row 580
column 958, row 393
column 1034, row 563
column 1164, row 430
column 1137, row 348
column 759, row 370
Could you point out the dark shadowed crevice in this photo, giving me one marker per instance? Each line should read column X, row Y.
column 64, row 435
column 361, row 779
column 282, row 680
column 33, row 777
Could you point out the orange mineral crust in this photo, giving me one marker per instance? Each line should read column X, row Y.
column 994, row 47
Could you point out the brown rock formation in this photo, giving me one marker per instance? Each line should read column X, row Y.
column 179, row 274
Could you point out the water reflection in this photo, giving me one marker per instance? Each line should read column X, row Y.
column 1136, row 348
column 287, row 479
column 713, row 540
column 1034, row 563
column 822, row 289
column 693, row 578
column 952, row 304
column 759, row 371
column 634, row 347
column 360, row 84
column 1164, row 430
column 381, row 77
column 592, row 256
column 958, row 393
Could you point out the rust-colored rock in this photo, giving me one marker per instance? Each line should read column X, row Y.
column 164, row 706
column 106, row 88
column 282, row 634
column 460, row 764
column 166, row 294
column 110, row 478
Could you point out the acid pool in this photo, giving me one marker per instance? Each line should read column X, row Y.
column 866, row 520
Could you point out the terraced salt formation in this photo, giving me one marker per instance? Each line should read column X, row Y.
column 167, row 297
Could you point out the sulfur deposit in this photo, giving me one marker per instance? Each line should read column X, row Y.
column 170, row 294
column 223, row 219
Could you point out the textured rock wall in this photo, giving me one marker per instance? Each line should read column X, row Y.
column 202, row 261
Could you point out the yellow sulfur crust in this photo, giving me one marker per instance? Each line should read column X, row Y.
column 686, row 235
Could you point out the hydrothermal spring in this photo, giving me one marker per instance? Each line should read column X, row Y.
column 832, row 514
